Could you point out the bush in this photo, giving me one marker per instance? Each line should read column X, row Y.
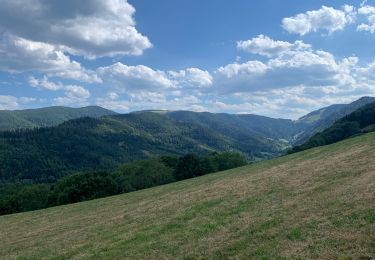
column 83, row 186
column 226, row 160
column 21, row 198
column 143, row 174
column 189, row 166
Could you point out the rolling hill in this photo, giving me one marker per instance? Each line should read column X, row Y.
column 319, row 120
column 316, row 204
column 46, row 154
column 278, row 130
column 360, row 121
column 50, row 116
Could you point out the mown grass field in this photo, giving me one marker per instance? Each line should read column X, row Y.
column 316, row 204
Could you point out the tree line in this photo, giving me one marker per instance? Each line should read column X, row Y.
column 82, row 186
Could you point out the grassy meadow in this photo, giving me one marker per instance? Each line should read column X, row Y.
column 319, row 203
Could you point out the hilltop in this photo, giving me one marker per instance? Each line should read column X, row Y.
column 313, row 204
column 44, row 117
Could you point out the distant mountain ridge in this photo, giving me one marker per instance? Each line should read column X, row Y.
column 294, row 131
column 43, row 117
column 104, row 141
column 360, row 121
column 319, row 120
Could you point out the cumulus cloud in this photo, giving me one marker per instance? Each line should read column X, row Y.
column 73, row 94
column 141, row 87
column 326, row 18
column 147, row 100
column 138, row 78
column 263, row 45
column 369, row 12
column 93, row 28
column 191, row 77
column 20, row 55
column 366, row 73
column 8, row 102
column 74, row 91
column 135, row 77
column 292, row 68
column 293, row 84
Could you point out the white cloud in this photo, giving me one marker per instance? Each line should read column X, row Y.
column 135, row 77
column 8, row 102
column 74, row 91
column 26, row 100
column 291, row 84
column 70, row 101
column 44, row 83
column 138, row 78
column 149, row 100
column 20, row 55
column 94, row 28
column 250, row 68
column 292, row 68
column 191, row 77
column 73, row 94
column 266, row 46
column 112, row 96
column 369, row 12
column 366, row 74
column 326, row 18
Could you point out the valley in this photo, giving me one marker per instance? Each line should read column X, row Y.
column 313, row 204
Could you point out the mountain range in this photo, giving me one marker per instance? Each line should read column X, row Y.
column 102, row 139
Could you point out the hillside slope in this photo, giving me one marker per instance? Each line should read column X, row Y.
column 360, row 121
column 321, row 119
column 46, row 154
column 49, row 116
column 317, row 204
column 255, row 125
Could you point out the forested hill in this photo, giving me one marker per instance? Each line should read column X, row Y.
column 50, row 116
column 247, row 123
column 319, row 120
column 360, row 121
column 46, row 154
column 294, row 132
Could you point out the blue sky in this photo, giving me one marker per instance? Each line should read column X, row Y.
column 274, row 58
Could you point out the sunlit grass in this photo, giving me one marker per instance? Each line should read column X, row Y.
column 314, row 204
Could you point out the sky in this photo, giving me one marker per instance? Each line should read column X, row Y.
column 278, row 58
